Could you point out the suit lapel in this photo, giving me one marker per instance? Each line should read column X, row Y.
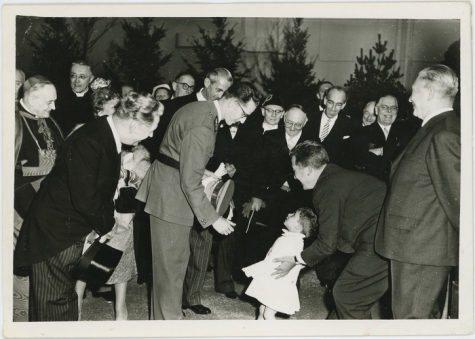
column 335, row 132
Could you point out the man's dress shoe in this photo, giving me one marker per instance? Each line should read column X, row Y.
column 231, row 295
column 198, row 309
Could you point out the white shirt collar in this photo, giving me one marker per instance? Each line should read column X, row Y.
column 115, row 134
column 433, row 114
column 218, row 109
column 200, row 95
column 286, row 233
column 268, row 127
column 324, row 121
column 387, row 127
column 292, row 141
column 26, row 108
column 80, row 95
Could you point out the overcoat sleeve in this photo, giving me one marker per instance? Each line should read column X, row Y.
column 443, row 164
column 330, row 208
column 83, row 161
column 196, row 148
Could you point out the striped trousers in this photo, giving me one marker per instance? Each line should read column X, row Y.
column 201, row 241
column 52, row 294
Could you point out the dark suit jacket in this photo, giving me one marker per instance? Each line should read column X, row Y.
column 420, row 220
column 176, row 195
column 72, row 110
column 347, row 205
column 372, row 136
column 75, row 198
column 277, row 165
column 338, row 141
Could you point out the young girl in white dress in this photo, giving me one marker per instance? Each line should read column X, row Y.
column 281, row 295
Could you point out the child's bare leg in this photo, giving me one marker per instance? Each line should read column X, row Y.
column 80, row 288
column 269, row 313
column 261, row 312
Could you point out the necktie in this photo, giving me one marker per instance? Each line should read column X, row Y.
column 325, row 131
column 386, row 132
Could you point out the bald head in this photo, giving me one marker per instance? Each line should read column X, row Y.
column 40, row 99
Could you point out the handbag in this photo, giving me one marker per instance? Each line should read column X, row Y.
column 97, row 264
column 126, row 202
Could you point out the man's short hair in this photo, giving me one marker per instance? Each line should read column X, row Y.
column 308, row 221
column 220, row 72
column 244, row 92
column 82, row 63
column 387, row 94
column 339, row 89
column 442, row 79
column 321, row 83
column 309, row 154
column 182, row 74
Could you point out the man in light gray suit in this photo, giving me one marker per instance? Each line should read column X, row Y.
column 174, row 194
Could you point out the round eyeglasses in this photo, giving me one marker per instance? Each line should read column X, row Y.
column 273, row 112
column 186, row 86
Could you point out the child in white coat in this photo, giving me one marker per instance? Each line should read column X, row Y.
column 281, row 295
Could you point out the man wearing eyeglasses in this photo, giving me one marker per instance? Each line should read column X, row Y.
column 250, row 181
column 333, row 129
column 378, row 144
column 184, row 84
column 174, row 194
column 74, row 105
column 284, row 193
column 216, row 83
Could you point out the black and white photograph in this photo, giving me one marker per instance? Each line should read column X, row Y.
column 307, row 163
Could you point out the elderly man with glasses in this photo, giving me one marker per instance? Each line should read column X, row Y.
column 378, row 144
column 74, row 104
column 284, row 193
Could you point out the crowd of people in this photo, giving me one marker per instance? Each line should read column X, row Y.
column 373, row 204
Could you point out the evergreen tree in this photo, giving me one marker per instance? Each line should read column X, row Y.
column 291, row 76
column 218, row 51
column 56, row 48
column 88, row 34
column 139, row 60
column 375, row 75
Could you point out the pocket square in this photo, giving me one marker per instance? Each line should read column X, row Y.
column 346, row 137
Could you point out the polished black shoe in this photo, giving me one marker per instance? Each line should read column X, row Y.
column 198, row 309
column 231, row 295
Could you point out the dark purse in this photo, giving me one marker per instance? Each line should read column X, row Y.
column 126, row 202
column 97, row 264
